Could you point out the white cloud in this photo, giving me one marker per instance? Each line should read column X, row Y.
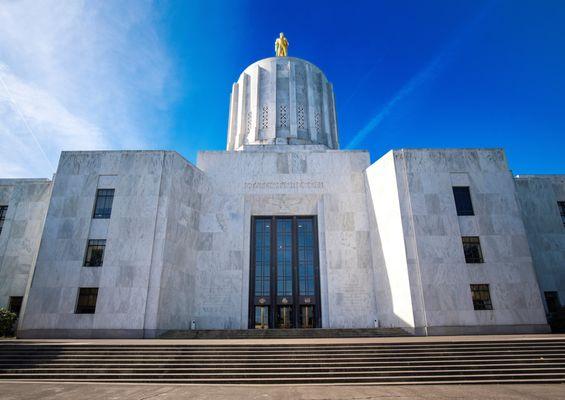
column 77, row 75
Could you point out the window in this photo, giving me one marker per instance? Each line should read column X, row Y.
column 463, row 202
column 103, row 205
column 552, row 301
column 481, row 296
column 263, row 258
column 95, row 253
column 15, row 304
column 305, row 257
column 86, row 303
column 561, row 205
column 472, row 249
column 3, row 211
column 284, row 257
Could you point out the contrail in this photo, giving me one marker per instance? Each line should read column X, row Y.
column 24, row 120
column 427, row 73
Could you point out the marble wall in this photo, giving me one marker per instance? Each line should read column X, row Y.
column 285, row 180
column 27, row 201
column 538, row 196
column 390, row 263
column 438, row 274
column 183, row 188
column 136, row 251
column 178, row 239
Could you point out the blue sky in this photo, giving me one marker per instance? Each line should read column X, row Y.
column 80, row 75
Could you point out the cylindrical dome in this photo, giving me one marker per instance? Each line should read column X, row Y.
column 282, row 101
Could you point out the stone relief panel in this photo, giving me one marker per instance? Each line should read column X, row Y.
column 265, row 117
column 283, row 118
column 300, row 117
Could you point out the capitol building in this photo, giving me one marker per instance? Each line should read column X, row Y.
column 282, row 230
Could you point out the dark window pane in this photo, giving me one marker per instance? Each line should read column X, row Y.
column 284, row 257
column 305, row 257
column 481, row 296
column 86, row 302
column 262, row 257
column 472, row 249
column 15, row 304
column 552, row 301
column 463, row 202
column 103, row 205
column 95, row 253
column 3, row 211
column 561, row 205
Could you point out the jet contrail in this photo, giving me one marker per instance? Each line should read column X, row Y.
column 427, row 73
column 23, row 118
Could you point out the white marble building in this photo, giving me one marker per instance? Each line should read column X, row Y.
column 282, row 230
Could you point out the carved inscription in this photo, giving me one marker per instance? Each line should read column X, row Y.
column 282, row 185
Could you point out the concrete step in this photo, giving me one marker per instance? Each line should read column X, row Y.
column 295, row 363
column 162, row 364
column 283, row 333
column 289, row 355
column 431, row 378
column 218, row 369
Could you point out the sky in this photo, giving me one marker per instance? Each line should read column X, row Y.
column 134, row 74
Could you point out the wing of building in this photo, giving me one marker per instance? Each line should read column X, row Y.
column 282, row 230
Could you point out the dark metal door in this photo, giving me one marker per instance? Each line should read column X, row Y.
column 284, row 289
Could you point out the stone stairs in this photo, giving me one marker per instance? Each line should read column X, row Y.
column 304, row 362
column 283, row 333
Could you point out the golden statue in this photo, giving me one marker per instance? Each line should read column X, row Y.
column 281, row 46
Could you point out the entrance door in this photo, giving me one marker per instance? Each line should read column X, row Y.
column 284, row 275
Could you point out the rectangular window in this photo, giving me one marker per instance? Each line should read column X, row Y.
column 472, row 249
column 103, row 205
column 463, row 202
column 561, row 205
column 305, row 257
column 552, row 301
column 284, row 257
column 15, row 304
column 86, row 302
column 95, row 253
column 3, row 211
column 481, row 296
column 263, row 258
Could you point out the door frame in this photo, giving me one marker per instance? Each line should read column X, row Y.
column 272, row 302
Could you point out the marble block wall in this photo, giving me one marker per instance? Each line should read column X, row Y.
column 439, row 277
column 285, row 180
column 538, row 196
column 390, row 265
column 135, row 250
column 183, row 187
column 27, row 201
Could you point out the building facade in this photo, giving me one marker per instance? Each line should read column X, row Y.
column 282, row 230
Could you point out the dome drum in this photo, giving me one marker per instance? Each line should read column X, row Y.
column 282, row 101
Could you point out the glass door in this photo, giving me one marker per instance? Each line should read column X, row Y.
column 284, row 275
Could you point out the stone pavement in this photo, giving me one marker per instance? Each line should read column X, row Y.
column 72, row 391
